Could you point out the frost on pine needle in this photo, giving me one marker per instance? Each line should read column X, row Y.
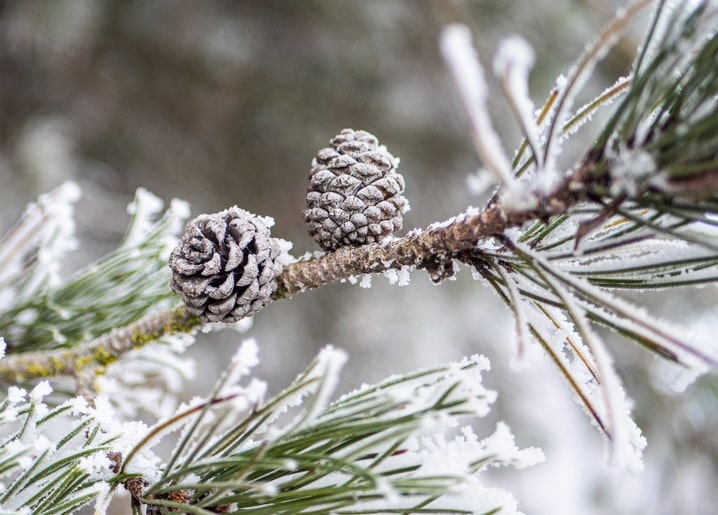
column 468, row 74
column 243, row 361
column 577, row 77
column 630, row 170
column 381, row 445
column 43, row 449
column 585, row 113
column 107, row 294
column 144, row 210
column 31, row 252
column 149, row 379
column 323, row 375
column 512, row 64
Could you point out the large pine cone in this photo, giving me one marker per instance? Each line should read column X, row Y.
column 355, row 194
column 225, row 266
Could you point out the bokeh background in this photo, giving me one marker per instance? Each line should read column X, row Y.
column 226, row 102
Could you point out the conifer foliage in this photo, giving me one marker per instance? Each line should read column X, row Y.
column 558, row 242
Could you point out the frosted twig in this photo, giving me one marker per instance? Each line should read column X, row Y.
column 99, row 352
column 433, row 249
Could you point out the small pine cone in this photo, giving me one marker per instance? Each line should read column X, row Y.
column 225, row 265
column 355, row 194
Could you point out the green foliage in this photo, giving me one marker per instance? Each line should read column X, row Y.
column 359, row 454
column 111, row 292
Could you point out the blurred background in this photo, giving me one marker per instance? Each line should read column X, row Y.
column 226, row 102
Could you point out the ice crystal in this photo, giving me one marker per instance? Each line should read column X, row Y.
column 468, row 74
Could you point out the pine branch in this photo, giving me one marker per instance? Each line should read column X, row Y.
column 432, row 249
column 553, row 245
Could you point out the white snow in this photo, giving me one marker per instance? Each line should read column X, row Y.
column 365, row 281
column 47, row 229
column 512, row 64
column 40, row 391
column 630, row 169
column 468, row 74
column 243, row 361
column 144, row 210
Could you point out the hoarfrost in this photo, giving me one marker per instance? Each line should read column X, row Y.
column 512, row 63
column 40, row 391
column 586, row 111
column 480, row 182
column 285, row 257
column 144, row 210
column 329, row 364
column 47, row 230
column 319, row 381
column 577, row 77
column 16, row 395
column 400, row 277
column 630, row 169
column 468, row 74
column 245, row 358
column 96, row 463
column 520, row 196
column 128, row 383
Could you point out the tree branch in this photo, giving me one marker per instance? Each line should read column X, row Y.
column 432, row 249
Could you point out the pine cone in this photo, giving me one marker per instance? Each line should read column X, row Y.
column 225, row 266
column 355, row 194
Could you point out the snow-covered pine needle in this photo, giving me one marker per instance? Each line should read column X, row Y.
column 57, row 460
column 468, row 74
column 381, row 448
column 630, row 319
column 517, row 305
column 615, row 404
column 112, row 292
column 31, row 252
column 578, row 75
column 513, row 62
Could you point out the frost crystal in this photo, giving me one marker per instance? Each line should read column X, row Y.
column 468, row 74
column 40, row 391
column 144, row 210
column 246, row 358
column 46, row 232
column 630, row 169
column 512, row 63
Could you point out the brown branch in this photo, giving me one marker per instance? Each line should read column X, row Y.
column 432, row 249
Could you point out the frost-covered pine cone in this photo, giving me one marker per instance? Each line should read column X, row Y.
column 225, row 265
column 355, row 193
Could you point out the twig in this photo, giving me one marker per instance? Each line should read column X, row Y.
column 432, row 249
column 96, row 353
